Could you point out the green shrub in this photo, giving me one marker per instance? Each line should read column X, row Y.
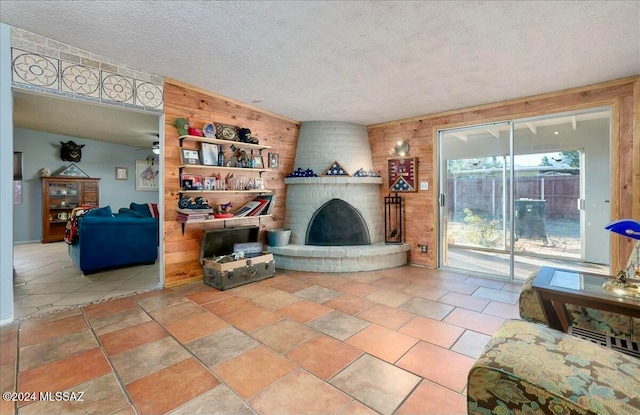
column 481, row 231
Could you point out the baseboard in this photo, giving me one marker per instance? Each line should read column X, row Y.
column 185, row 281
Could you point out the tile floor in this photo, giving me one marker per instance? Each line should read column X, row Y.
column 45, row 280
column 397, row 341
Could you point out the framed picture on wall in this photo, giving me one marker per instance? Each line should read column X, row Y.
column 191, row 181
column 189, row 156
column 122, row 173
column 209, row 154
column 274, row 160
column 147, row 176
column 402, row 174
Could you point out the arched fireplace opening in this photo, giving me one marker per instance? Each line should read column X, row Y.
column 337, row 223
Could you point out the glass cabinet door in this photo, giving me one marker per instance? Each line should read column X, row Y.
column 63, row 197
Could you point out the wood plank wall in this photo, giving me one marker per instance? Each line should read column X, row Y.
column 421, row 208
column 182, row 252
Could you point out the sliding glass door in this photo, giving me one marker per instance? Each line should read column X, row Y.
column 474, row 195
column 514, row 195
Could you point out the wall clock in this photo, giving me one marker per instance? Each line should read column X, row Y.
column 402, row 174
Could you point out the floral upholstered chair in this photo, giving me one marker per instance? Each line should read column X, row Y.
column 530, row 369
column 609, row 323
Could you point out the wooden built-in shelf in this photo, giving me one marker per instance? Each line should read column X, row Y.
column 201, row 166
column 221, row 142
column 225, row 191
column 234, row 218
column 192, row 167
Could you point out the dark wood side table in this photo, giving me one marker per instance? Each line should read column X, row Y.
column 558, row 287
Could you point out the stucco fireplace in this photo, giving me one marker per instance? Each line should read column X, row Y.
column 355, row 241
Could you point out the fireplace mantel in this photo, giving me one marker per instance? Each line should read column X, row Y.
column 333, row 180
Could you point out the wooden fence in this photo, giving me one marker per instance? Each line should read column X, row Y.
column 484, row 196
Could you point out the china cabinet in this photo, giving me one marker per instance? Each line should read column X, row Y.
column 59, row 196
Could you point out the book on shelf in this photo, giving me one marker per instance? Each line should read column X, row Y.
column 246, row 208
column 193, row 215
column 191, row 218
column 260, row 205
column 271, row 200
column 194, row 211
column 260, row 208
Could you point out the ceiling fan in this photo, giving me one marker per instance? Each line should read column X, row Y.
column 155, row 147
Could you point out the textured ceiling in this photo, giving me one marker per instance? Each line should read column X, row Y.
column 365, row 62
column 86, row 120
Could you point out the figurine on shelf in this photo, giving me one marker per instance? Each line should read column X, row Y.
column 225, row 207
column 219, row 183
column 202, row 203
column 622, row 284
column 224, row 211
column 240, row 157
column 230, row 182
column 193, row 203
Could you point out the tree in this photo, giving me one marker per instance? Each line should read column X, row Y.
column 571, row 157
column 545, row 161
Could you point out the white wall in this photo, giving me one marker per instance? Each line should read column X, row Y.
column 99, row 159
column 6, row 178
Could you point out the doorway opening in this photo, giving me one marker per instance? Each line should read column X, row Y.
column 45, row 279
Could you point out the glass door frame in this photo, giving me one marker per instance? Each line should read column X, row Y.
column 442, row 187
column 508, row 194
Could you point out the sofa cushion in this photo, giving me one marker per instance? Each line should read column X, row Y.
column 102, row 211
column 148, row 210
column 527, row 368
column 153, row 209
column 142, row 208
column 126, row 212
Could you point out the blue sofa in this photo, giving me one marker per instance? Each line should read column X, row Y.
column 107, row 240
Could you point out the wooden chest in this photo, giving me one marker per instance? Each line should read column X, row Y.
column 225, row 275
column 232, row 274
